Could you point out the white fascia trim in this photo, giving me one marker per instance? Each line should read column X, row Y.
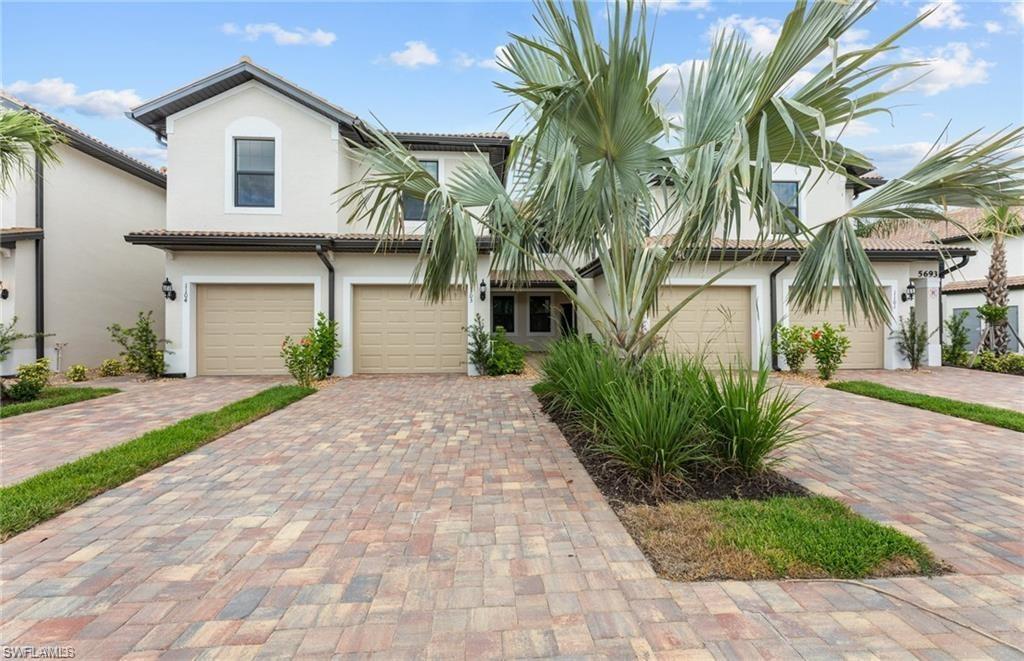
column 347, row 313
column 756, row 286
column 189, row 285
column 889, row 344
column 252, row 84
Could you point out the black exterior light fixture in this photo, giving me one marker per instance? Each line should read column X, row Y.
column 5, row 293
column 908, row 293
column 168, row 290
column 483, row 290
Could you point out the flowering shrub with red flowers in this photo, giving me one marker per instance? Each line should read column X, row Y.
column 301, row 360
column 829, row 345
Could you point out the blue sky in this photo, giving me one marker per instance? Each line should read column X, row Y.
column 430, row 66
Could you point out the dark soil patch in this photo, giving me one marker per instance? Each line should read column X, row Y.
column 621, row 488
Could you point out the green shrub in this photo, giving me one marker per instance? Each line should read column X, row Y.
column 8, row 336
column 141, row 349
column 829, row 345
column 301, row 360
column 1013, row 363
column 506, row 357
column 32, row 378
column 479, row 345
column 325, row 345
column 650, row 421
column 76, row 373
column 111, row 367
column 794, row 343
column 912, row 339
column 955, row 351
column 748, row 419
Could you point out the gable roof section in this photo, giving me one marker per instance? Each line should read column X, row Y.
column 90, row 145
column 153, row 114
column 968, row 226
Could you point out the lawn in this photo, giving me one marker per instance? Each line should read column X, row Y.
column 782, row 537
column 48, row 494
column 989, row 415
column 54, row 396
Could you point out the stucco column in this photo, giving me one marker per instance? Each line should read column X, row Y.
column 926, row 308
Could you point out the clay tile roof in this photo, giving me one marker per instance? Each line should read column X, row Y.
column 533, row 277
column 870, row 244
column 965, row 286
column 968, row 223
column 78, row 136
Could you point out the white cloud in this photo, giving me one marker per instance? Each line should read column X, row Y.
column 466, row 61
column 1015, row 10
column 947, row 67
column 685, row 5
column 992, row 27
column 153, row 154
column 946, row 14
column 762, row 33
column 857, row 128
column 894, row 160
column 416, row 54
column 58, row 94
column 675, row 76
column 281, row 36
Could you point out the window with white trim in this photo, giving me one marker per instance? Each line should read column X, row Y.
column 413, row 208
column 254, row 172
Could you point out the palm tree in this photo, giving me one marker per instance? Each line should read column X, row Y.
column 600, row 160
column 24, row 137
column 999, row 223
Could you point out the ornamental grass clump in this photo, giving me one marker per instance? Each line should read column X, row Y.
column 748, row 419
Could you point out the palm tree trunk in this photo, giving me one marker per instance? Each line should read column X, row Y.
column 997, row 294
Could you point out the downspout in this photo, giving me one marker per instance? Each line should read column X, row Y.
column 774, row 307
column 330, row 289
column 40, row 299
column 943, row 272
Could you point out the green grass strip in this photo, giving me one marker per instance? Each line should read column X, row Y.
column 48, row 494
column 988, row 415
column 51, row 397
column 818, row 534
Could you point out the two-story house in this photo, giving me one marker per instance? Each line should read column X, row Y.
column 256, row 246
column 65, row 271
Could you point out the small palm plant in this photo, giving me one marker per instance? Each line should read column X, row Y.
column 25, row 137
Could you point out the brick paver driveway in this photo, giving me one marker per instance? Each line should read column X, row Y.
column 34, row 442
column 443, row 517
column 1002, row 390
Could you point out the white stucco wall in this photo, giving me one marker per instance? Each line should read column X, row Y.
column 92, row 277
column 977, row 267
column 187, row 270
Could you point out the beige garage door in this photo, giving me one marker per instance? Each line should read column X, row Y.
column 715, row 324
column 395, row 331
column 867, row 342
column 239, row 328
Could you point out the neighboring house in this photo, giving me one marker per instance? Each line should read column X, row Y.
column 255, row 246
column 963, row 290
column 64, row 266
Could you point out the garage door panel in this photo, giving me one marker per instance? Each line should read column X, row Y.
column 396, row 331
column 239, row 328
column 716, row 324
column 867, row 341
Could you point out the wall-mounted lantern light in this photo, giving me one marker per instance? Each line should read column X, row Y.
column 483, row 290
column 908, row 293
column 168, row 290
column 5, row 293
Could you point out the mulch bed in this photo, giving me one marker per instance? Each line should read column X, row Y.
column 621, row 489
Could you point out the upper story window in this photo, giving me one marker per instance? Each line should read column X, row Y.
column 788, row 193
column 254, row 172
column 413, row 208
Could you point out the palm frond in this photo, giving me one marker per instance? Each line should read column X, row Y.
column 25, row 137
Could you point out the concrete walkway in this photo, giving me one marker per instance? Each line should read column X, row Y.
column 35, row 442
column 967, row 385
column 444, row 517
